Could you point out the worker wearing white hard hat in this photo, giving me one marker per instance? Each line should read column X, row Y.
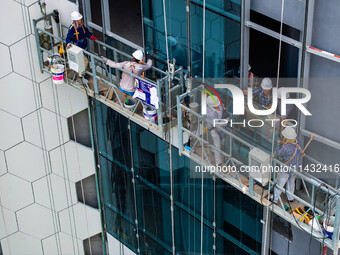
column 177, row 51
column 265, row 96
column 290, row 151
column 136, row 67
column 78, row 33
column 214, row 111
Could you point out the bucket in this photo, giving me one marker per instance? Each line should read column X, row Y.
column 130, row 103
column 328, row 228
column 58, row 73
column 152, row 112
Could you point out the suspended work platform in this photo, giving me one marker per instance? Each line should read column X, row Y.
column 102, row 83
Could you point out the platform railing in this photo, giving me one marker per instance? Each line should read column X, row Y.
column 312, row 187
column 101, row 73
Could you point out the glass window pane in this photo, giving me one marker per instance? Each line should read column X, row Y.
column 121, row 229
column 150, row 246
column 117, row 188
column 126, row 20
column 96, row 12
column 238, row 216
column 154, row 215
column 222, row 42
column 154, row 31
column 188, row 234
column 151, row 157
column 188, row 186
column 112, row 134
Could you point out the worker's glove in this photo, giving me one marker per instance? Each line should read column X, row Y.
column 69, row 45
column 93, row 38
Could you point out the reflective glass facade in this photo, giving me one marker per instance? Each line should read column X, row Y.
column 135, row 188
column 185, row 36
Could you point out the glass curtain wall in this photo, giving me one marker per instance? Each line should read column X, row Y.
column 135, row 184
column 222, row 35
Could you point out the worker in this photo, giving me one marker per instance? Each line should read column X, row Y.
column 265, row 95
column 136, row 67
column 77, row 33
column 214, row 111
column 290, row 150
column 178, row 52
column 251, row 77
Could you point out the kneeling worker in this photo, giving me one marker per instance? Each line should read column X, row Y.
column 136, row 67
column 290, row 149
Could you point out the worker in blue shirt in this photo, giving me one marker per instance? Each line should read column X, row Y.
column 290, row 150
column 265, row 95
column 78, row 33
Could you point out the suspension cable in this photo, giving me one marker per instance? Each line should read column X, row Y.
column 170, row 136
column 41, row 129
column 77, row 151
column 202, row 179
column 274, row 128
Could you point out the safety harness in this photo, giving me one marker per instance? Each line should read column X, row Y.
column 76, row 32
column 131, row 69
column 298, row 147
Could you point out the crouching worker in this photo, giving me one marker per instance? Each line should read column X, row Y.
column 290, row 149
column 136, row 67
column 214, row 111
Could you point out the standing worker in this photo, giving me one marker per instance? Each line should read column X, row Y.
column 265, row 95
column 136, row 67
column 77, row 33
column 214, row 111
column 290, row 149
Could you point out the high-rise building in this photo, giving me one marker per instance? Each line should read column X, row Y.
column 86, row 169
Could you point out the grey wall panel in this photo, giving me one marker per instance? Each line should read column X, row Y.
column 324, row 104
column 293, row 11
column 326, row 25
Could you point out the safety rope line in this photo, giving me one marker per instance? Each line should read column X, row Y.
column 134, row 186
column 274, row 128
column 214, row 179
column 170, row 135
column 77, row 151
column 202, row 181
column 40, row 126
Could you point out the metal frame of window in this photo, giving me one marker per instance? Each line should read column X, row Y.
column 106, row 28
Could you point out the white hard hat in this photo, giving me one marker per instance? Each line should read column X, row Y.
column 279, row 94
column 138, row 54
column 289, row 133
column 210, row 101
column 172, row 41
column 76, row 16
column 249, row 67
column 266, row 84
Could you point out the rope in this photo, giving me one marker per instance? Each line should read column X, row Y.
column 41, row 129
column 170, row 135
column 202, row 181
column 56, row 102
column 273, row 138
column 77, row 151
